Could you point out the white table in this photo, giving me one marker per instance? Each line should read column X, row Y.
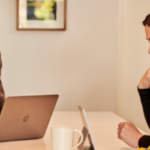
column 103, row 127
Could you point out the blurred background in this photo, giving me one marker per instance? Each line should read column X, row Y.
column 97, row 62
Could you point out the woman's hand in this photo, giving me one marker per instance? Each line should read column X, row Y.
column 128, row 133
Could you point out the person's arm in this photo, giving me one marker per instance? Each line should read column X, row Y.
column 2, row 93
column 127, row 131
column 144, row 141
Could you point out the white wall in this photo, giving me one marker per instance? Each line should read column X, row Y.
column 134, row 59
column 79, row 64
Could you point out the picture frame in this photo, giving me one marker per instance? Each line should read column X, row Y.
column 41, row 15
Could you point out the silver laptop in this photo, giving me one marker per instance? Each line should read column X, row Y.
column 86, row 131
column 26, row 117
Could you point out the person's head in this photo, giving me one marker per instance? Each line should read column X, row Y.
column 146, row 23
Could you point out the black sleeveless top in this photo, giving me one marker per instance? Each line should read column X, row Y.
column 144, row 141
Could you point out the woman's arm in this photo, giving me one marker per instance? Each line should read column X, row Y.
column 128, row 133
column 145, row 101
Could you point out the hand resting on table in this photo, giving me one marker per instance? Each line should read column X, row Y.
column 128, row 133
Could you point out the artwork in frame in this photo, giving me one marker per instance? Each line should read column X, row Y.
column 41, row 15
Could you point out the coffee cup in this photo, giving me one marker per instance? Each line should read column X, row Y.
column 62, row 138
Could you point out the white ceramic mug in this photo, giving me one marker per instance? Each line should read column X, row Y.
column 62, row 138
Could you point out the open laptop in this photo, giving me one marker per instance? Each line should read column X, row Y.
column 86, row 131
column 26, row 117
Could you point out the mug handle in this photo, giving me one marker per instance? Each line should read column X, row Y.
column 81, row 139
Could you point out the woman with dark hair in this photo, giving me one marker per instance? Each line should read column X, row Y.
column 126, row 130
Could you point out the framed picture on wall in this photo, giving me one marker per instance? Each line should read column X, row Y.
column 41, row 15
